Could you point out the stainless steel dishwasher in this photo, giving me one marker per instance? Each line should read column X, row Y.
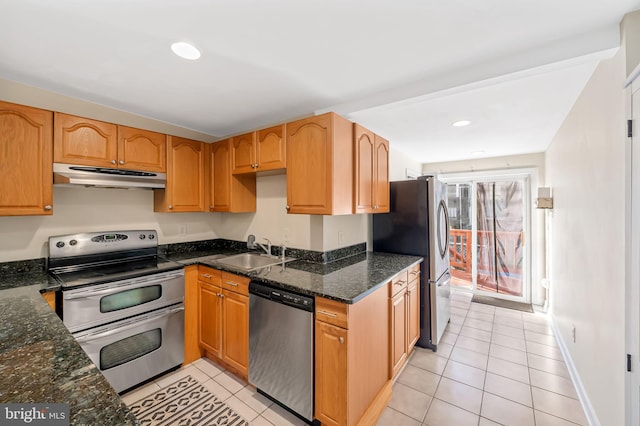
column 281, row 347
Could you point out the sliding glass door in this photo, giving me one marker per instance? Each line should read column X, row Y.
column 489, row 222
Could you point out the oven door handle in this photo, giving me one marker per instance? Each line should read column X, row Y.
column 91, row 337
column 112, row 290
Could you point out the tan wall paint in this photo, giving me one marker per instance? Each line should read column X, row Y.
column 585, row 167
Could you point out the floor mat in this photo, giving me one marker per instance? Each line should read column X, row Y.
column 524, row 307
column 185, row 402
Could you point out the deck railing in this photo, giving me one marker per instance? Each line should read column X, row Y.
column 460, row 249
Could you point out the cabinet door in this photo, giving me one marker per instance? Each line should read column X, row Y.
column 364, row 168
column 78, row 140
column 381, row 173
column 271, row 148
column 243, row 153
column 142, row 150
column 413, row 313
column 185, row 178
column 309, row 152
column 398, row 317
column 235, row 333
column 210, row 317
column 26, row 182
column 220, row 175
column 331, row 374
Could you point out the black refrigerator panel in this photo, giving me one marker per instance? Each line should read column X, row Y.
column 405, row 229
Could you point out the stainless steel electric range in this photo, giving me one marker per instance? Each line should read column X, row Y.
column 122, row 302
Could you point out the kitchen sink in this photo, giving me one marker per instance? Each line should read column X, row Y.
column 251, row 261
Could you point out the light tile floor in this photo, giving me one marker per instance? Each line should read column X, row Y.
column 494, row 367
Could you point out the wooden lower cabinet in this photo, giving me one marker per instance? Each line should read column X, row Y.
column 223, row 311
column 398, row 308
column 413, row 314
column 50, row 298
column 404, row 312
column 352, row 384
column 192, row 348
column 235, row 330
column 331, row 371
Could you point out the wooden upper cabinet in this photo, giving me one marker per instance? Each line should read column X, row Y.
column 243, row 153
column 371, row 172
column 381, row 173
column 142, row 150
column 271, row 148
column 79, row 140
column 26, row 171
column 229, row 193
column 186, row 185
column 259, row 151
column 320, row 165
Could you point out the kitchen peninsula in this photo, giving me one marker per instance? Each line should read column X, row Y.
column 42, row 363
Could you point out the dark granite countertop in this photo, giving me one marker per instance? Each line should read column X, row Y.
column 346, row 280
column 41, row 362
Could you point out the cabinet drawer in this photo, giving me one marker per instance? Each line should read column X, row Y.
column 235, row 283
column 414, row 272
column 398, row 283
column 332, row 312
column 209, row 275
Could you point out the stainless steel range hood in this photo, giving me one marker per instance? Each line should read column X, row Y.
column 101, row 177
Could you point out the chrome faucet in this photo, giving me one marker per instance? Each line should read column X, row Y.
column 267, row 248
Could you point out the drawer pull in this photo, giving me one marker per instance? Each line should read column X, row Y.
column 206, row 276
column 414, row 273
column 232, row 283
column 329, row 314
column 400, row 283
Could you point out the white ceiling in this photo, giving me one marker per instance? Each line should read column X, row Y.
column 405, row 68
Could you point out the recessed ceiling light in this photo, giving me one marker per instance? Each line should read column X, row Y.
column 185, row 50
column 461, row 123
column 477, row 152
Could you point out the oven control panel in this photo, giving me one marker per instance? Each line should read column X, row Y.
column 101, row 242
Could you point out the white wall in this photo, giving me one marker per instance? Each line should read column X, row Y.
column 585, row 167
column 95, row 209
column 492, row 163
column 399, row 163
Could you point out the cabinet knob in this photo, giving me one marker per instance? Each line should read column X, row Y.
column 341, row 339
column 256, row 165
column 288, row 207
column 170, row 206
column 114, row 162
column 121, row 161
column 221, row 296
column 48, row 207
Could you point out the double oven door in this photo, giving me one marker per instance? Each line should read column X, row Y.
column 131, row 329
column 132, row 351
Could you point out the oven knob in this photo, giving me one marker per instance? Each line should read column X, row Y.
column 142, row 236
column 151, row 236
column 73, row 242
column 59, row 244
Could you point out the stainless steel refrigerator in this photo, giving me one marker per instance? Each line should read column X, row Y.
column 418, row 224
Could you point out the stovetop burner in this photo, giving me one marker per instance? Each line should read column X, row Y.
column 101, row 257
column 115, row 272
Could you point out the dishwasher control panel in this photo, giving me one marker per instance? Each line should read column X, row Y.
column 282, row 296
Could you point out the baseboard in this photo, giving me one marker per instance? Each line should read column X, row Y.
column 589, row 412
